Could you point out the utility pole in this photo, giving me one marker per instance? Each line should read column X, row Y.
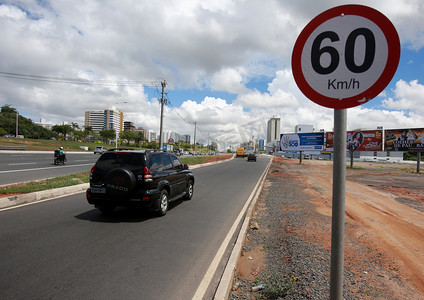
column 17, row 123
column 194, row 138
column 162, row 102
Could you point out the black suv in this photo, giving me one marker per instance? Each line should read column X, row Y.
column 138, row 178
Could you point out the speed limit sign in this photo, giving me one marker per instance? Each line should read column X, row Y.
column 346, row 56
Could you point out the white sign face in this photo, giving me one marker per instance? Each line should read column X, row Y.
column 342, row 52
column 346, row 56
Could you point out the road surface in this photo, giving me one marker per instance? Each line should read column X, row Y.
column 65, row 249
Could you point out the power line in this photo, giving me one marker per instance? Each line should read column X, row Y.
column 98, row 82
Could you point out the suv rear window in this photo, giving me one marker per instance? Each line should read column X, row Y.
column 120, row 160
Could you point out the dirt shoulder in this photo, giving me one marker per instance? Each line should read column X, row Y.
column 290, row 233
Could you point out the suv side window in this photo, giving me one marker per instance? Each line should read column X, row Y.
column 156, row 163
column 166, row 162
column 176, row 162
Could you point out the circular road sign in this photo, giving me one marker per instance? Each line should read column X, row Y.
column 345, row 56
column 171, row 141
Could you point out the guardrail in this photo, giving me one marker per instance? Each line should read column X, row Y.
column 12, row 147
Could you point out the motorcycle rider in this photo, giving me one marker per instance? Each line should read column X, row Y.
column 60, row 153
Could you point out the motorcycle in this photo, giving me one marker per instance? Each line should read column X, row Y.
column 59, row 159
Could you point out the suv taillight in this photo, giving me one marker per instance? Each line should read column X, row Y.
column 147, row 175
column 91, row 172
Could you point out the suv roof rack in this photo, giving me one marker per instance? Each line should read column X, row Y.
column 131, row 149
column 123, row 149
column 155, row 150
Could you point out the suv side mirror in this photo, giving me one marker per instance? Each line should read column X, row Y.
column 185, row 167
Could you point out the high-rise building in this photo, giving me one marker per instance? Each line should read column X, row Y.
column 261, row 144
column 106, row 119
column 152, row 135
column 186, row 138
column 273, row 130
column 129, row 126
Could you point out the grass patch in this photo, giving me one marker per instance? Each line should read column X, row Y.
column 372, row 292
column 355, row 168
column 194, row 160
column 276, row 286
column 46, row 184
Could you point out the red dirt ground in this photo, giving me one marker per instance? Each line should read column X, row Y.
column 392, row 231
column 384, row 215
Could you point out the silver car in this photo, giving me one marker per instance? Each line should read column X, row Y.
column 100, row 150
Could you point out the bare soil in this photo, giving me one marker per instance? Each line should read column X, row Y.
column 384, row 225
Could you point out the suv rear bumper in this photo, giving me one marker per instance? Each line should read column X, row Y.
column 142, row 200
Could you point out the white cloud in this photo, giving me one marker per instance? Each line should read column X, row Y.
column 229, row 80
column 409, row 96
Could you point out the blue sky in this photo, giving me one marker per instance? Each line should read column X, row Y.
column 227, row 64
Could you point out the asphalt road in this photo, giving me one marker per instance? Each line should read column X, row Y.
column 27, row 166
column 65, row 249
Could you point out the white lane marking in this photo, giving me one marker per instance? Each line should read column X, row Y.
column 201, row 290
column 36, row 169
column 18, row 164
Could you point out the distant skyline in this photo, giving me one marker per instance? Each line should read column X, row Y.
column 226, row 63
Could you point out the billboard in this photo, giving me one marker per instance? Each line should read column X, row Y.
column 404, row 139
column 302, row 142
column 359, row 140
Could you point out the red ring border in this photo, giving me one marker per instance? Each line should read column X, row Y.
column 389, row 71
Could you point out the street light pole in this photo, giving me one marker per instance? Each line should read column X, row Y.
column 194, row 147
column 162, row 102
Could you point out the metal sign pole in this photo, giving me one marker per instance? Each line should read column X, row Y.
column 339, row 194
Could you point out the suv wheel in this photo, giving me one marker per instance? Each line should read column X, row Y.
column 163, row 203
column 189, row 190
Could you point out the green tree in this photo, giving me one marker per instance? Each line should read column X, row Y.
column 128, row 136
column 8, row 119
column 139, row 138
column 25, row 126
column 87, row 131
column 74, row 126
column 78, row 134
column 152, row 145
column 108, row 134
column 63, row 130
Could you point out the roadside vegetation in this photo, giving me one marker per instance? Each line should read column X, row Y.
column 45, row 184
column 16, row 130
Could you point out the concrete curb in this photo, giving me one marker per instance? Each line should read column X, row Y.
column 42, row 195
column 65, row 191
